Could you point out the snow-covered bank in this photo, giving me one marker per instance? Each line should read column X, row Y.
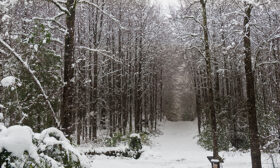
column 177, row 148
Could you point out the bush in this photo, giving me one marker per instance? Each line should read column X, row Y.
column 5, row 158
column 145, row 138
column 21, row 148
column 135, row 142
column 114, row 140
column 205, row 139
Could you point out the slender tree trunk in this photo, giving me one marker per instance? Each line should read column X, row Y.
column 94, row 96
column 161, row 94
column 156, row 97
column 136, row 90
column 250, row 85
column 209, row 80
column 140, row 88
column 198, row 106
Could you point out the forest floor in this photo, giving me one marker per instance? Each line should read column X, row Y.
column 178, row 148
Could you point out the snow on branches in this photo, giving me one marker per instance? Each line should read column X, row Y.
column 21, row 147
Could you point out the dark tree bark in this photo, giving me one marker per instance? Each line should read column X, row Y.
column 161, row 95
column 94, row 95
column 136, row 90
column 1, row 65
column 251, row 99
column 209, row 80
column 67, row 109
column 198, row 100
column 139, row 83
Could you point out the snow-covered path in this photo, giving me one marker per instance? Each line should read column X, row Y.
column 176, row 148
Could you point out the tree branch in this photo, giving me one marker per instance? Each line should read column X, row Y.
column 60, row 7
column 197, row 21
column 104, row 12
column 102, row 52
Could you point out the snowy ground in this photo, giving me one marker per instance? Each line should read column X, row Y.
column 177, row 148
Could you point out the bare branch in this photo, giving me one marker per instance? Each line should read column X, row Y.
column 52, row 20
column 200, row 52
column 192, row 17
column 60, row 7
column 102, row 52
column 269, row 62
column 104, row 12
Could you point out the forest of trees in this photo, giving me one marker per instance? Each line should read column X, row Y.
column 233, row 51
column 83, row 66
column 87, row 66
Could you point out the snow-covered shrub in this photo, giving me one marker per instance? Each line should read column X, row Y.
column 145, row 137
column 132, row 144
column 8, row 81
column 135, row 142
column 268, row 128
column 135, row 145
column 17, row 148
column 118, row 139
column 54, row 146
column 21, row 148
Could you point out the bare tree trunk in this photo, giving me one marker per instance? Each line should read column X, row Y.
column 94, row 95
column 251, row 100
column 161, row 95
column 209, row 79
column 136, row 90
column 67, row 109
column 198, row 100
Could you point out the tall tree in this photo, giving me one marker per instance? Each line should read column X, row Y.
column 250, row 86
column 67, row 108
column 209, row 79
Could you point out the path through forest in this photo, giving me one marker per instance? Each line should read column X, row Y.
column 177, row 148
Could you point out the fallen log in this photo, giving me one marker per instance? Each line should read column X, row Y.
column 127, row 153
